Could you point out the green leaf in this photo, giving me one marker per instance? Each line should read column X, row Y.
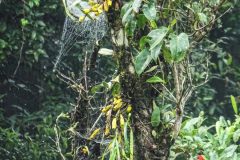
column 152, row 69
column 234, row 104
column 167, row 55
column 202, row 17
column 127, row 16
column 190, row 123
column 157, row 37
column 125, row 8
column 34, row 34
column 228, row 60
column 143, row 41
column 97, row 88
column 126, row 141
column 149, row 10
column 130, row 27
column 141, row 21
column 116, row 89
column 3, row 44
column 178, row 46
column 142, row 61
column 131, row 144
column 236, row 135
column 24, row 22
column 136, row 5
column 30, row 4
column 153, row 24
column 37, row 2
column 155, row 118
column 173, row 22
column 218, row 128
column 41, row 23
column 229, row 151
column 196, row 7
column 155, row 79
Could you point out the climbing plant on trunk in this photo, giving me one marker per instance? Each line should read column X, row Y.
column 153, row 44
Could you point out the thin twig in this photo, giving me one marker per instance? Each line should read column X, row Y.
column 21, row 48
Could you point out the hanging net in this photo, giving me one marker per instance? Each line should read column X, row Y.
column 84, row 26
column 80, row 28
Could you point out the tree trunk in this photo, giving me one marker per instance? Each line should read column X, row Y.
column 141, row 95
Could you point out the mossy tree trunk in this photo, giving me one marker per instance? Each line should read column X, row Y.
column 140, row 94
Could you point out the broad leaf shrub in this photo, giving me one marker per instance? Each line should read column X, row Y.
column 26, row 136
column 216, row 142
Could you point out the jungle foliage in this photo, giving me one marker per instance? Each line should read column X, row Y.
column 169, row 80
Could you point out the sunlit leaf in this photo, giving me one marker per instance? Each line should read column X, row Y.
column 157, row 37
column 149, row 10
column 236, row 135
column 234, row 104
column 152, row 69
column 125, row 8
column 229, row 151
column 142, row 61
column 190, row 123
column 178, row 46
column 127, row 16
column 155, row 79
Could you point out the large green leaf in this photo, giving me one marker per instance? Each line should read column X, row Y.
column 178, row 46
column 126, row 12
column 149, row 10
column 157, row 37
column 125, row 8
column 234, row 104
column 236, row 135
column 229, row 151
column 155, row 118
column 142, row 61
column 190, row 123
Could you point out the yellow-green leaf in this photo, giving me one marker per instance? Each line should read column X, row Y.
column 234, row 104
column 155, row 79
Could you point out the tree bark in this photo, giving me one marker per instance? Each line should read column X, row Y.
column 141, row 95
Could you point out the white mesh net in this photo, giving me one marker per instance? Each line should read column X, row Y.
column 85, row 33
